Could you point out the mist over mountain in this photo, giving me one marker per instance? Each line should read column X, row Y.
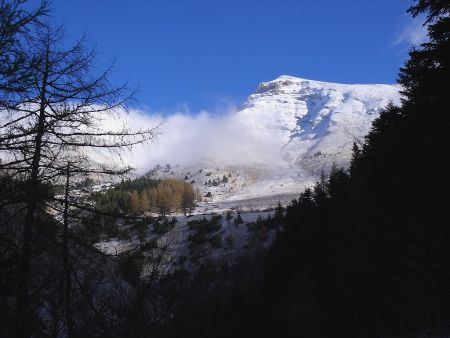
column 287, row 122
column 278, row 141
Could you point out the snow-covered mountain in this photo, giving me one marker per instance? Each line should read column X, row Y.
column 306, row 124
column 315, row 122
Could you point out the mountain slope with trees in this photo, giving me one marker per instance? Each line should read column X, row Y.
column 364, row 253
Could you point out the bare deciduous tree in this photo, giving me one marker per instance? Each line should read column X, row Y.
column 16, row 26
column 60, row 120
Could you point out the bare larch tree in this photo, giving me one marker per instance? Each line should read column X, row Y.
column 57, row 126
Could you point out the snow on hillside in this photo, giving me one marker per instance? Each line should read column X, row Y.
column 315, row 123
column 267, row 152
column 292, row 130
column 177, row 241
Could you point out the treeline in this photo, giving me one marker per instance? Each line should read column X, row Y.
column 148, row 195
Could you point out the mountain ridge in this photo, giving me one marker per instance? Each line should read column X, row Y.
column 304, row 113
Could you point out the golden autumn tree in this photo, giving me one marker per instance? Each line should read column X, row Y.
column 134, row 201
column 144, row 204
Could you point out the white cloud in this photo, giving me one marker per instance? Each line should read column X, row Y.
column 413, row 33
column 187, row 139
column 184, row 138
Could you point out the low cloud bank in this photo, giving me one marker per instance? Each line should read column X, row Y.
column 189, row 139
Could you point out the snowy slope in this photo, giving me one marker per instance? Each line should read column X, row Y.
column 310, row 124
column 315, row 123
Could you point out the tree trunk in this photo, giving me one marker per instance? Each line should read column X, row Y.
column 67, row 272
column 32, row 204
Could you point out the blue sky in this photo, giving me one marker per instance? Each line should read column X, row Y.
column 199, row 54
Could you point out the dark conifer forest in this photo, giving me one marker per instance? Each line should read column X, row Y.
column 363, row 253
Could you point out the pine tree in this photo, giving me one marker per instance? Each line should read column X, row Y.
column 279, row 212
column 238, row 219
column 229, row 216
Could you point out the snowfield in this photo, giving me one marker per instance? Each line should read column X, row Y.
column 315, row 123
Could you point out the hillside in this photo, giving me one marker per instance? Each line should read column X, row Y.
column 296, row 128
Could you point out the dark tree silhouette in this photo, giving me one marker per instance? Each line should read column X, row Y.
column 59, row 121
column 16, row 29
